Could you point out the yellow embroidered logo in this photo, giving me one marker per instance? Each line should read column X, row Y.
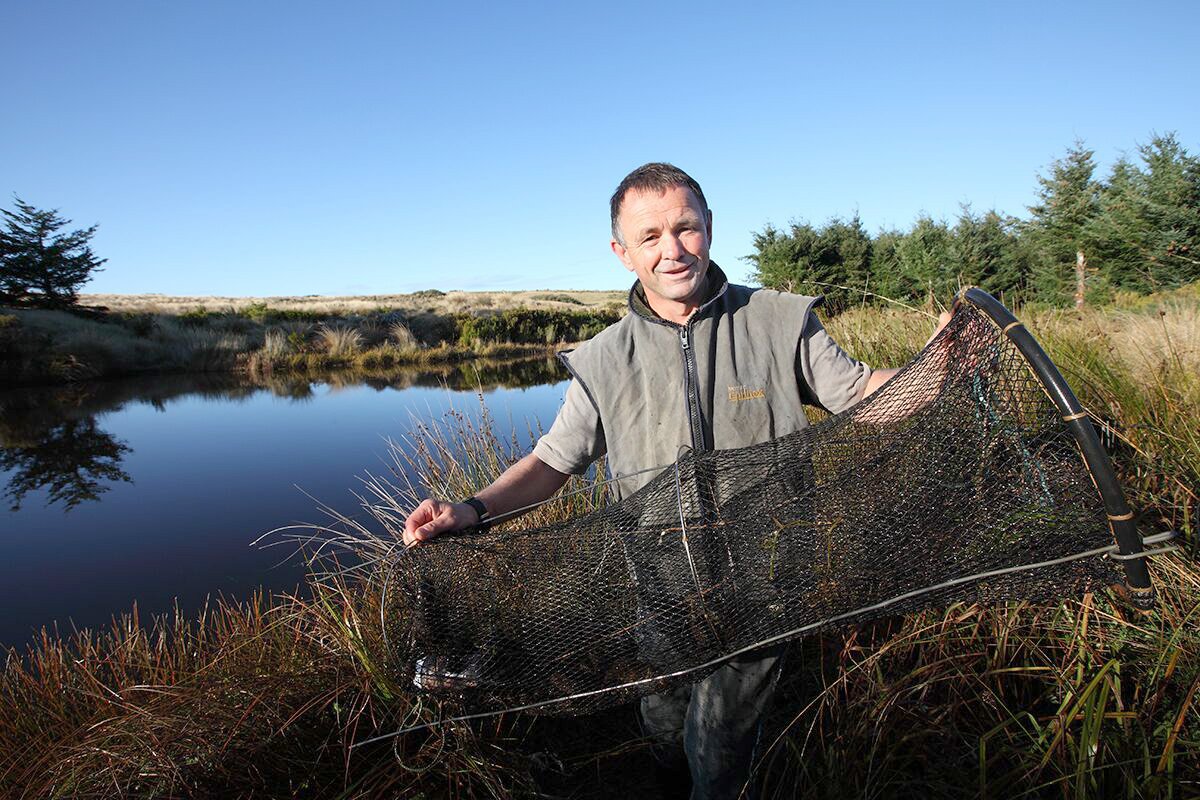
column 739, row 393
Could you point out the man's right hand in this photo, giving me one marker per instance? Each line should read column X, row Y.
column 432, row 517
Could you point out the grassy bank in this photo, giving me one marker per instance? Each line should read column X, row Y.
column 1083, row 698
column 45, row 346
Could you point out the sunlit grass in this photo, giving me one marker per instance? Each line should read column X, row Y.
column 1083, row 698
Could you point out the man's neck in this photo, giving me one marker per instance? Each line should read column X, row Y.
column 678, row 312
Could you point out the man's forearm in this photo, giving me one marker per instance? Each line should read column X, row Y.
column 878, row 378
column 526, row 482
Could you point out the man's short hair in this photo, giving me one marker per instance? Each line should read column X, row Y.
column 657, row 176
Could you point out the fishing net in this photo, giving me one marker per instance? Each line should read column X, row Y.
column 959, row 468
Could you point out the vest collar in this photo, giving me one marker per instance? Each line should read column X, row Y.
column 717, row 285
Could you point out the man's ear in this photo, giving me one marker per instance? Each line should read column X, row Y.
column 621, row 253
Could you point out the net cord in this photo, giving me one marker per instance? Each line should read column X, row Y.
column 1109, row 551
column 687, row 550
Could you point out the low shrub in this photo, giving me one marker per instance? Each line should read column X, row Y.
column 559, row 298
column 531, row 326
column 197, row 317
column 140, row 324
column 433, row 329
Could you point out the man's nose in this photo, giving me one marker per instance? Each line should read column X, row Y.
column 670, row 247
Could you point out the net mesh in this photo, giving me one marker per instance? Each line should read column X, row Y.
column 959, row 465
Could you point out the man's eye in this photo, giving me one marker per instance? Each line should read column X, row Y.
column 649, row 239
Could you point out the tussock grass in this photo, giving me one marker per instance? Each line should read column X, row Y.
column 1138, row 373
column 387, row 356
column 402, row 336
column 338, row 341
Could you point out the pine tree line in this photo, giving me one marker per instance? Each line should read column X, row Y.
column 1138, row 230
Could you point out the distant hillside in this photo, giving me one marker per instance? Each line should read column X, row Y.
column 430, row 301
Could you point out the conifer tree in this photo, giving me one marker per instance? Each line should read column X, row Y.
column 38, row 264
column 1148, row 228
column 833, row 260
column 925, row 260
column 1069, row 201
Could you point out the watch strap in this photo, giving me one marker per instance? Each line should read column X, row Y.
column 480, row 509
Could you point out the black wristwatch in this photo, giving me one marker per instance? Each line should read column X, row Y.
column 481, row 510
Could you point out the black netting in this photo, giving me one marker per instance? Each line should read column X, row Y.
column 960, row 465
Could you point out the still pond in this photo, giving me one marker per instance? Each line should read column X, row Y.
column 151, row 490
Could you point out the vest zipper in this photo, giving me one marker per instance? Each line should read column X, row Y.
column 692, row 390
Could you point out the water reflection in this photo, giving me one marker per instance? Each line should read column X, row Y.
column 51, row 440
column 71, row 461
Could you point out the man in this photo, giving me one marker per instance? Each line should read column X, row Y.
column 696, row 363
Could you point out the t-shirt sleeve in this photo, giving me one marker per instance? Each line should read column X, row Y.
column 829, row 377
column 576, row 438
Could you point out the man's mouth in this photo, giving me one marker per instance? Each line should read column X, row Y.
column 675, row 269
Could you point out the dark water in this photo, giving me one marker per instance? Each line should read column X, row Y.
column 151, row 490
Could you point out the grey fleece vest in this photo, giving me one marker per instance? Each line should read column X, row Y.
column 725, row 379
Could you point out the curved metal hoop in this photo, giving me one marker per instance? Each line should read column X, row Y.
column 1095, row 458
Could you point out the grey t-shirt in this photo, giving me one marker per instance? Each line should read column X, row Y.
column 829, row 378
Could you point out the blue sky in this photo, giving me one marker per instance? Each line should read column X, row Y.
column 269, row 148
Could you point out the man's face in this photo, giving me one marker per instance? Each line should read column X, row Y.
column 666, row 245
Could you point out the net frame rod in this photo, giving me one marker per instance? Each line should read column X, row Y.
column 1120, row 516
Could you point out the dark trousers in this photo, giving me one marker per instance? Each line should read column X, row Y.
column 718, row 722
